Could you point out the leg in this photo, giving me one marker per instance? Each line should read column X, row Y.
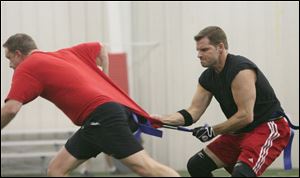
column 142, row 164
column 242, row 170
column 262, row 146
column 114, row 137
column 111, row 167
column 201, row 165
column 75, row 152
column 62, row 164
column 86, row 168
column 222, row 152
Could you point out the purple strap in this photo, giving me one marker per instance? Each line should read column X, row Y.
column 287, row 153
column 147, row 128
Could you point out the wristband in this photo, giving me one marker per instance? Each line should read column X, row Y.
column 188, row 120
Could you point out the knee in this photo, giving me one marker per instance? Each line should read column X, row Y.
column 242, row 170
column 201, row 165
column 51, row 172
column 142, row 164
column 194, row 166
column 145, row 169
column 54, row 171
column 150, row 168
column 139, row 170
column 193, row 163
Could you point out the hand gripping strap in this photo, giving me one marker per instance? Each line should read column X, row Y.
column 147, row 128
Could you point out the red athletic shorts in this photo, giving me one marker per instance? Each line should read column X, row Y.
column 258, row 148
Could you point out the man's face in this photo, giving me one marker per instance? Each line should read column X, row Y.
column 207, row 53
column 15, row 58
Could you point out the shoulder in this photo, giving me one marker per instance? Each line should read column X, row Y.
column 237, row 63
column 206, row 78
column 207, row 73
column 32, row 61
column 237, row 60
column 35, row 62
column 87, row 49
column 88, row 45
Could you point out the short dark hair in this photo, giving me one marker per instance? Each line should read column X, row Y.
column 21, row 42
column 215, row 35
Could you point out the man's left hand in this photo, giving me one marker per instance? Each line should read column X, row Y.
column 204, row 133
column 156, row 121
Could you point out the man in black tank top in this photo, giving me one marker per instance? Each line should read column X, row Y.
column 252, row 137
column 219, row 84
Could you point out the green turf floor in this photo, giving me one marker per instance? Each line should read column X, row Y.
column 218, row 173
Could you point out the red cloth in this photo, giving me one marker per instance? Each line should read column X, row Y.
column 71, row 80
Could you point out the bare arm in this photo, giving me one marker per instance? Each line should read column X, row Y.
column 199, row 104
column 9, row 111
column 102, row 60
column 244, row 94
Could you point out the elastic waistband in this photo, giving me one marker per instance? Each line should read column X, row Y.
column 276, row 118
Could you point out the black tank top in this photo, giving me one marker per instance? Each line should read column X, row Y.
column 219, row 84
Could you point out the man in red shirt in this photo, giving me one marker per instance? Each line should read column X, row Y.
column 70, row 78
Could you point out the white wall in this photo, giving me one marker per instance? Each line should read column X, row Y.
column 164, row 74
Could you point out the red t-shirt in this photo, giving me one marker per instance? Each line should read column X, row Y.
column 70, row 79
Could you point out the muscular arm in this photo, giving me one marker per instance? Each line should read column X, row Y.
column 199, row 104
column 102, row 60
column 244, row 94
column 9, row 111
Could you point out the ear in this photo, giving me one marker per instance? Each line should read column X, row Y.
column 221, row 47
column 18, row 53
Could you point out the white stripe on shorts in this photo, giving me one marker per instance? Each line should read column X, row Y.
column 265, row 148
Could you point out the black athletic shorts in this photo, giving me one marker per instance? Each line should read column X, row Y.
column 108, row 129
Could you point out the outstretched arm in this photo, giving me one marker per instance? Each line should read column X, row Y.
column 200, row 102
column 9, row 111
column 102, row 60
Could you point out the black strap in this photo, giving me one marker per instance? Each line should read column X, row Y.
column 188, row 120
column 280, row 113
